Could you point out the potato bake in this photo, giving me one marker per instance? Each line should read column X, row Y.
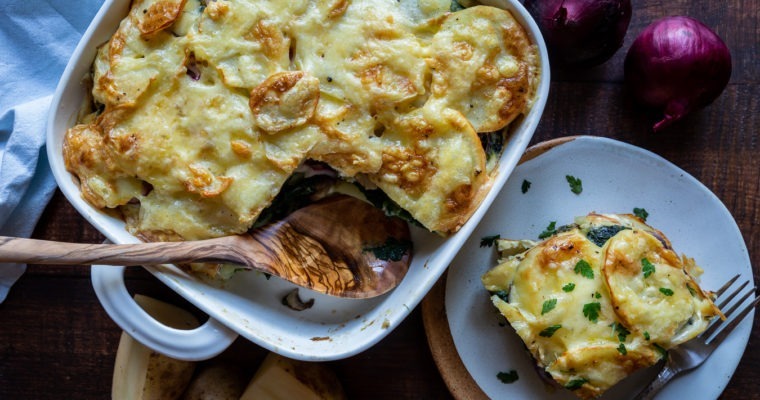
column 599, row 299
column 200, row 111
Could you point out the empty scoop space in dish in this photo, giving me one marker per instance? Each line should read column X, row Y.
column 250, row 304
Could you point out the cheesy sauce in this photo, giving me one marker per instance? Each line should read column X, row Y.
column 203, row 109
column 599, row 299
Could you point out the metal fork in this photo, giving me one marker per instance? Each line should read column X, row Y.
column 693, row 353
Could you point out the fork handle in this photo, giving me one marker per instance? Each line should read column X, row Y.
column 665, row 375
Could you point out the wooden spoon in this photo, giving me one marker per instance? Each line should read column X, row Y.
column 340, row 246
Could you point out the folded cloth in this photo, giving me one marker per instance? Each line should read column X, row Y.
column 37, row 39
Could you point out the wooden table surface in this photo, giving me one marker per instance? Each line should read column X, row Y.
column 56, row 341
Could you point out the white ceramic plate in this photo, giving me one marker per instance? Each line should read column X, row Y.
column 616, row 177
column 249, row 304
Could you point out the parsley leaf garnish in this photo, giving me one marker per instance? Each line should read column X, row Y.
column 583, row 268
column 525, row 186
column 548, row 306
column 549, row 330
column 488, row 241
column 647, row 267
column 666, row 291
column 576, row 186
column 591, row 311
column 569, row 287
column 597, row 295
column 641, row 213
column 575, row 384
column 622, row 333
column 550, row 230
column 646, row 335
column 622, row 349
column 508, row 377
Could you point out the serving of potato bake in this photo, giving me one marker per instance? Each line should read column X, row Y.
column 598, row 299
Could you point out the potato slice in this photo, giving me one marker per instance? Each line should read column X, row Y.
column 217, row 381
column 652, row 290
column 281, row 378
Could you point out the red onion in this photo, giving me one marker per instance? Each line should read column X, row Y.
column 581, row 33
column 677, row 64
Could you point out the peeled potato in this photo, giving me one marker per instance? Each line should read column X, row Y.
column 143, row 374
column 281, row 378
column 217, row 381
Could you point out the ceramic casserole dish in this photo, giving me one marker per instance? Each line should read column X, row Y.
column 249, row 304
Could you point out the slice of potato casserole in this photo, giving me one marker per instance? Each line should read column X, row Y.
column 201, row 110
column 599, row 299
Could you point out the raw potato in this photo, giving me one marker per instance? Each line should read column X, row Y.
column 143, row 374
column 280, row 378
column 218, row 381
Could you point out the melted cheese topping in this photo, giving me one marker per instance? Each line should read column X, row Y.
column 599, row 300
column 205, row 109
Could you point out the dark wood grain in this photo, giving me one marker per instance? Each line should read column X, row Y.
column 56, row 342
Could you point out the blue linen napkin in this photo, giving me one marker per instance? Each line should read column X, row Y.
column 37, row 39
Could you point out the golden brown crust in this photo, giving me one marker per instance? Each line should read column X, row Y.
column 213, row 108
column 160, row 15
column 285, row 100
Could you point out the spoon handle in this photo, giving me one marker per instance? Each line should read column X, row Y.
column 35, row 251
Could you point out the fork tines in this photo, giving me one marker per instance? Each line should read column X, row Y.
column 725, row 301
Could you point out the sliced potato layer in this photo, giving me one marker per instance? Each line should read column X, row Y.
column 598, row 300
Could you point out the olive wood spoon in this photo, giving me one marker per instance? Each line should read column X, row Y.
column 340, row 246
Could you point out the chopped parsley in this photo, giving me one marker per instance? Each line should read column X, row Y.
column 583, row 268
column 489, row 241
column 575, row 384
column 548, row 306
column 666, row 291
column 592, row 310
column 647, row 267
column 646, row 335
column 525, row 186
column 550, row 230
column 392, row 250
column 576, row 186
column 692, row 291
column 622, row 349
column 622, row 333
column 549, row 330
column 508, row 377
column 569, row 287
column 597, row 295
column 641, row 213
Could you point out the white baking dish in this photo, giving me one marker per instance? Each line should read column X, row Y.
column 249, row 304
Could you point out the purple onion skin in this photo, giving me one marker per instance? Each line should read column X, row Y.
column 581, row 33
column 678, row 65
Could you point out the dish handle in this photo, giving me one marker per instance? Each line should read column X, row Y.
column 197, row 344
